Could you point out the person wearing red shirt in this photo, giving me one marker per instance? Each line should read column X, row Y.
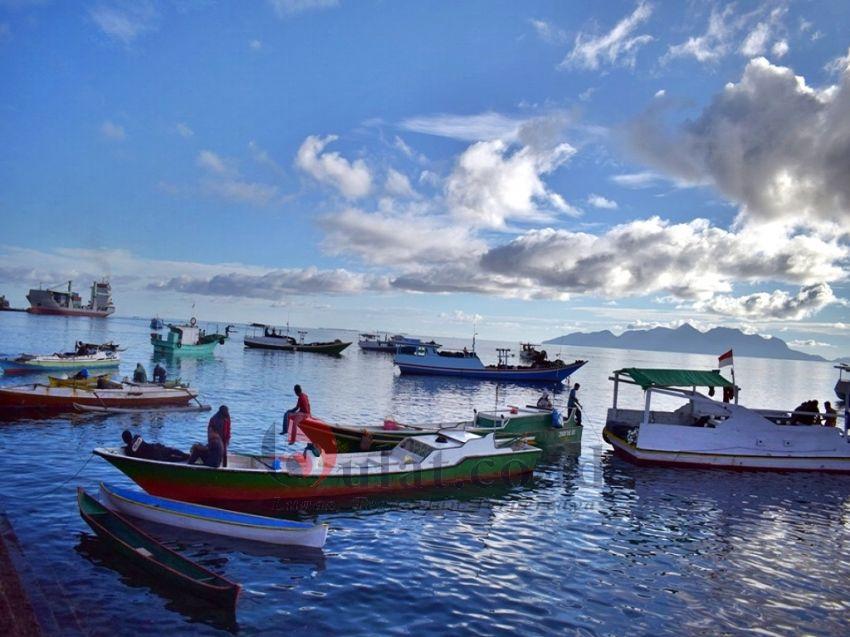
column 301, row 407
column 220, row 424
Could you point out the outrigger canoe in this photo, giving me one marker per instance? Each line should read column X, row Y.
column 45, row 399
column 207, row 519
column 85, row 383
column 438, row 460
column 145, row 552
column 543, row 427
column 30, row 363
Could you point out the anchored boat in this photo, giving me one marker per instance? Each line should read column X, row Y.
column 197, row 517
column 69, row 303
column 274, row 338
column 707, row 433
column 436, row 460
column 387, row 344
column 169, row 567
column 543, row 427
column 187, row 339
column 426, row 358
column 69, row 362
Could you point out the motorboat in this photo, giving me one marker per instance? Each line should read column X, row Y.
column 275, row 338
column 187, row 339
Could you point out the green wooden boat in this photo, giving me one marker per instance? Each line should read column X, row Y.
column 145, row 552
column 437, row 460
column 187, row 340
column 541, row 427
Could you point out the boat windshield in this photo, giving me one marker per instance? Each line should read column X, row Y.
column 413, row 445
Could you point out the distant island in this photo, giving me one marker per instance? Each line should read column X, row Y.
column 689, row 340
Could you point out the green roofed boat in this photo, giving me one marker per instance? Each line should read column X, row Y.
column 437, row 460
column 187, row 340
column 542, row 427
column 170, row 568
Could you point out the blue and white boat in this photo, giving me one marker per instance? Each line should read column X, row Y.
column 426, row 358
column 207, row 519
column 387, row 344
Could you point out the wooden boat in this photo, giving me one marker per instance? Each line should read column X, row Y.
column 43, row 398
column 707, row 433
column 426, row 359
column 542, row 427
column 97, row 409
column 69, row 362
column 197, row 517
column 271, row 338
column 89, row 382
column 437, row 460
column 388, row 344
column 142, row 550
column 187, row 340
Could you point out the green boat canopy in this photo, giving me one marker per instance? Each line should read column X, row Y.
column 647, row 378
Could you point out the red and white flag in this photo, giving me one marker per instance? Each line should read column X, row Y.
column 725, row 359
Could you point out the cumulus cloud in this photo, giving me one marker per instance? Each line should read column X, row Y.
column 598, row 201
column 398, row 185
column 352, row 179
column 287, row 8
column 618, row 46
column 113, row 131
column 778, row 304
column 275, row 284
column 772, row 144
column 491, row 185
column 125, row 21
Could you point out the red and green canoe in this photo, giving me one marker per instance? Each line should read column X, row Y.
column 440, row 459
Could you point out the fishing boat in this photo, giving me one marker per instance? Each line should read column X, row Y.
column 387, row 344
column 197, row 517
column 425, row 358
column 157, row 323
column 89, row 382
column 528, row 352
column 842, row 385
column 437, row 460
column 6, row 307
column 275, row 338
column 169, row 567
column 69, row 303
column 36, row 397
column 68, row 362
column 704, row 432
column 542, row 427
column 187, row 340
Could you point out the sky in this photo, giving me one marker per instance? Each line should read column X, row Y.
column 522, row 170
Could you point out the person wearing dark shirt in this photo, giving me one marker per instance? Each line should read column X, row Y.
column 139, row 374
column 301, row 407
column 159, row 374
column 210, row 454
column 573, row 403
column 138, row 448
column 220, row 424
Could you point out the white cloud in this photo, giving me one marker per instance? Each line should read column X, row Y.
column 618, row 46
column 770, row 143
column 459, row 316
column 491, row 185
column 125, row 21
column 287, row 8
column 710, row 46
column 470, row 128
column 212, row 162
column 113, row 131
column 809, row 342
column 840, row 64
column 401, row 145
column 598, row 201
column 398, row 185
column 352, row 179
column 780, row 48
column 778, row 304
column 548, row 32
column 262, row 157
column 643, row 179
column 223, row 181
column 756, row 41
column 183, row 130
column 255, row 45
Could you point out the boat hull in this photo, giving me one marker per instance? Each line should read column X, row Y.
column 41, row 398
column 204, row 485
column 167, row 348
column 211, row 520
column 143, row 551
column 30, row 367
column 547, row 375
column 63, row 311
column 694, row 460
column 261, row 342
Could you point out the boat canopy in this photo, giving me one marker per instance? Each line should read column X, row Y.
column 647, row 378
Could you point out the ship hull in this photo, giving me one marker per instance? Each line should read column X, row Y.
column 64, row 311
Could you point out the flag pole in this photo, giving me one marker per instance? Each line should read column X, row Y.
column 734, row 384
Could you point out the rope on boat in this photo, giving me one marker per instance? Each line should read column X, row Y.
column 60, row 485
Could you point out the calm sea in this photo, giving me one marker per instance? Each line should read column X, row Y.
column 591, row 546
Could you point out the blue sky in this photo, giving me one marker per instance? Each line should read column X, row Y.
column 537, row 168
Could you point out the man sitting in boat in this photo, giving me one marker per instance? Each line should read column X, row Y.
column 831, row 415
column 159, row 374
column 544, row 402
column 211, row 454
column 301, row 410
column 139, row 374
column 138, row 448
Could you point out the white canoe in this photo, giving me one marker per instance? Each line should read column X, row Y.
column 98, row 409
column 207, row 519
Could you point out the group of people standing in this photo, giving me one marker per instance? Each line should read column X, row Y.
column 214, row 452
column 808, row 413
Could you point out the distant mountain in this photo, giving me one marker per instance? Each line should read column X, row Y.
column 690, row 340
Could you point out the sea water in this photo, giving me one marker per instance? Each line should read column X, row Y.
column 591, row 546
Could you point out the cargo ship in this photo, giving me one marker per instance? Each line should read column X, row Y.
column 69, row 303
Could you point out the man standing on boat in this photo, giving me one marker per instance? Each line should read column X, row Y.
column 573, row 403
column 220, row 424
column 301, row 409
